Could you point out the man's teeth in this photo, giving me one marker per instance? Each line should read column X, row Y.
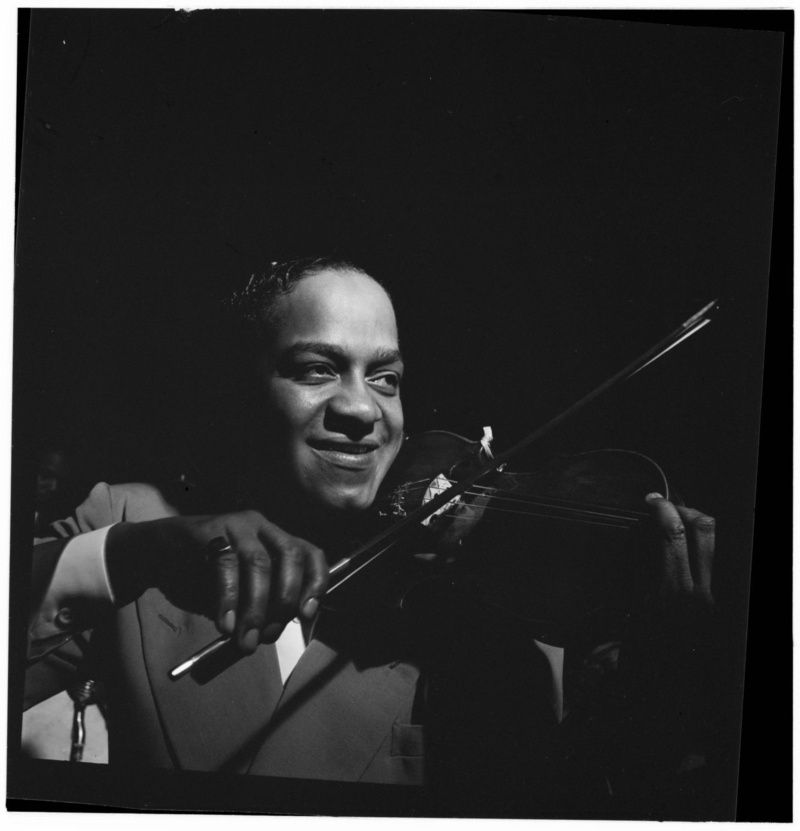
column 355, row 449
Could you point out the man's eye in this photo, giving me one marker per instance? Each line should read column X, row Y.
column 315, row 372
column 388, row 381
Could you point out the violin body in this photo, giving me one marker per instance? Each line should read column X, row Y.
column 559, row 549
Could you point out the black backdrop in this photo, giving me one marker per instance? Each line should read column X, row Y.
column 545, row 194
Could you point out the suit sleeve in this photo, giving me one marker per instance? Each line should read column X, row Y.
column 69, row 587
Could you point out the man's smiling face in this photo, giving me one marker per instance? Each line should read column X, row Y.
column 333, row 386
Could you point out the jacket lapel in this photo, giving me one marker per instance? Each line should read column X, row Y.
column 212, row 716
column 236, row 711
column 337, row 712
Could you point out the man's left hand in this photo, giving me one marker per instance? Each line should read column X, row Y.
column 685, row 553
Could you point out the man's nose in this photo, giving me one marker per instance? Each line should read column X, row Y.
column 353, row 406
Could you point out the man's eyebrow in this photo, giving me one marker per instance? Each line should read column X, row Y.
column 387, row 356
column 383, row 355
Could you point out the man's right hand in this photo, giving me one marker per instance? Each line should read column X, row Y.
column 252, row 591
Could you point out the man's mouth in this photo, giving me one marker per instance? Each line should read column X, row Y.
column 351, row 455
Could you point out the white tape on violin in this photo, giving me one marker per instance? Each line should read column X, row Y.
column 439, row 485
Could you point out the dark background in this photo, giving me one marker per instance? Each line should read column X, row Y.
column 544, row 194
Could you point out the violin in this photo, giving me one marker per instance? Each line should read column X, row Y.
column 586, row 509
column 558, row 548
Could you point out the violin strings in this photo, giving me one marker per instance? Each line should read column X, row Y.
column 566, row 507
column 553, row 501
column 621, row 522
column 527, row 496
column 557, row 510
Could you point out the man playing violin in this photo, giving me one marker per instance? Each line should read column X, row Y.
column 297, row 692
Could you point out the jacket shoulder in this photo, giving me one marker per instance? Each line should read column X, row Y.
column 139, row 501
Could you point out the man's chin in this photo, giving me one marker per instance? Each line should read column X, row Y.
column 346, row 501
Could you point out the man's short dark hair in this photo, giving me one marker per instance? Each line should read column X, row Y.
column 254, row 305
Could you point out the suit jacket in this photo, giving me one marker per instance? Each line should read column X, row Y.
column 340, row 716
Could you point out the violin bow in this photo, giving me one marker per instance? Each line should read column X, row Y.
column 378, row 545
